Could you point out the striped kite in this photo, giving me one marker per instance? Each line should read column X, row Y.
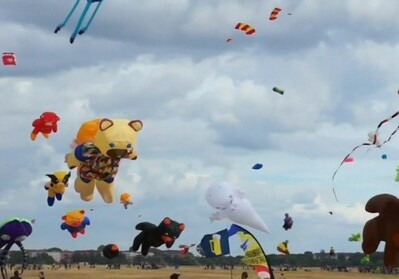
column 248, row 29
column 274, row 14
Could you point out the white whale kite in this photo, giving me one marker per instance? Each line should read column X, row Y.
column 231, row 203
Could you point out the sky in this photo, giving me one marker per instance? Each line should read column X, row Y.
column 209, row 113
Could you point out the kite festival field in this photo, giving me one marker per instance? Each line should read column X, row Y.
column 190, row 273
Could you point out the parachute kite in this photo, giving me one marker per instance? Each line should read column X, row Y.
column 283, row 247
column 9, row 59
column 79, row 30
column 13, row 231
column 248, row 29
column 126, row 199
column 355, row 237
column 217, row 244
column 111, row 251
column 257, row 166
column 274, row 14
column 45, row 124
column 231, row 203
column 185, row 249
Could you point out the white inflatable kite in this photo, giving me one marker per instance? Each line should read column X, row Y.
column 231, row 203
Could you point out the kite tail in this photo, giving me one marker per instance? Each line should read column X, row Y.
column 24, row 255
column 67, row 18
column 82, row 16
column 81, row 31
column 335, row 195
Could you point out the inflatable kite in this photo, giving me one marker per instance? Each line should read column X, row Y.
column 75, row 222
column 185, row 249
column 111, row 251
column 154, row 236
column 230, row 202
column 126, row 199
column 9, row 59
column 218, row 244
column 46, row 124
column 13, row 231
column 283, row 248
column 56, row 187
column 355, row 237
column 101, row 145
column 288, row 222
column 79, row 30
column 384, row 227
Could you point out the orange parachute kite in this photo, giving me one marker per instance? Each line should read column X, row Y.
column 248, row 29
column 274, row 14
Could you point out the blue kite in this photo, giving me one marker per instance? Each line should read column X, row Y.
column 79, row 30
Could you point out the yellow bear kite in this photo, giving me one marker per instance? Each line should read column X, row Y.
column 101, row 144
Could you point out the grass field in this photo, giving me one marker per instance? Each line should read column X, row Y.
column 190, row 273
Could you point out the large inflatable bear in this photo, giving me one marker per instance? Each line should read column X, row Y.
column 100, row 146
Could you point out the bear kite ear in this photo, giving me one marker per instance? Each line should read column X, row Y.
column 137, row 125
column 63, row 217
column 105, row 123
column 167, row 221
column 181, row 227
column 82, row 211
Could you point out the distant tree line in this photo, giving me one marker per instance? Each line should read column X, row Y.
column 165, row 258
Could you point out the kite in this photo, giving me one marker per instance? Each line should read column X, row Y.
column 278, row 90
column 230, row 202
column 9, row 59
column 248, row 29
column 218, row 244
column 373, row 140
column 13, row 231
column 283, row 247
column 79, row 30
column 185, row 249
column 56, row 187
column 274, row 14
column 349, row 160
column 75, row 222
column 154, row 236
column 126, row 199
column 384, row 227
column 288, row 222
column 397, row 174
column 46, row 124
column 355, row 237
column 228, row 40
column 384, row 156
column 97, row 160
column 257, row 166
column 111, row 251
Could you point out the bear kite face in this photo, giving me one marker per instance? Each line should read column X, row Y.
column 74, row 218
column 117, row 138
column 170, row 230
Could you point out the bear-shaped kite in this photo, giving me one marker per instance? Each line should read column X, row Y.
column 384, row 227
column 154, row 236
column 101, row 144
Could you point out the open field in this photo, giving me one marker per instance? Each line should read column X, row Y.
column 190, row 273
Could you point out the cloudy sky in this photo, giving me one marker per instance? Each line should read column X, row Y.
column 209, row 113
